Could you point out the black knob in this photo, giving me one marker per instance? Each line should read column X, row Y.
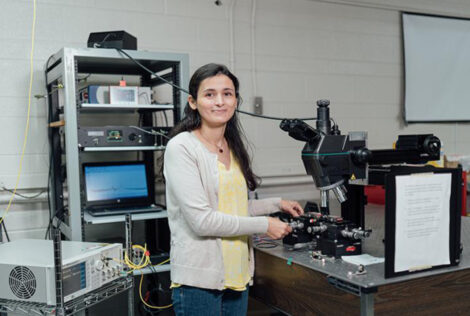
column 323, row 103
column 335, row 130
column 362, row 155
column 432, row 145
column 132, row 137
column 285, row 125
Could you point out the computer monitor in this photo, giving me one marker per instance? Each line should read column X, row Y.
column 117, row 184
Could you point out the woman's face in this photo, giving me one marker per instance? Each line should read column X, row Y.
column 216, row 100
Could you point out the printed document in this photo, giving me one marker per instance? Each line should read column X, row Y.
column 422, row 221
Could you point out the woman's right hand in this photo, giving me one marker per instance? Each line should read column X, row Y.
column 277, row 229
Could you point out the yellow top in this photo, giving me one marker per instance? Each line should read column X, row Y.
column 233, row 200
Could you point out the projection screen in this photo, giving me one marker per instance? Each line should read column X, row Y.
column 437, row 68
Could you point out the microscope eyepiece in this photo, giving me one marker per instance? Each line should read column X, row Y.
column 323, row 103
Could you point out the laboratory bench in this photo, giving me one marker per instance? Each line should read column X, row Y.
column 296, row 283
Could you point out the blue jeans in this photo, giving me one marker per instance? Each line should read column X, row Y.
column 194, row 301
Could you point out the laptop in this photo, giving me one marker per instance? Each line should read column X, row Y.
column 116, row 188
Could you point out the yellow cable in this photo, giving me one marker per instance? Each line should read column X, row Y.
column 28, row 115
column 140, row 290
column 163, row 262
column 145, row 303
column 145, row 261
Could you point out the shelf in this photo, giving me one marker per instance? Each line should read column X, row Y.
column 123, row 148
column 25, row 308
column 154, row 269
column 118, row 107
column 103, row 293
column 72, row 307
column 90, row 219
column 110, row 61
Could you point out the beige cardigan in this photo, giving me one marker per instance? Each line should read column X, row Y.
column 196, row 225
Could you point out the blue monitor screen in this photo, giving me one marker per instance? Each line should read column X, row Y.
column 115, row 182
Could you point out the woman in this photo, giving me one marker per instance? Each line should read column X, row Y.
column 208, row 172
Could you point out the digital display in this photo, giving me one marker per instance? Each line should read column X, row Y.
column 123, row 95
column 74, row 278
column 115, row 182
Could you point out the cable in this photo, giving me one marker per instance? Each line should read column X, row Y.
column 276, row 118
column 153, row 132
column 144, row 262
column 51, row 219
column 146, row 97
column 49, row 138
column 150, row 71
column 161, row 205
column 45, row 96
column 49, row 201
column 151, row 312
column 31, row 197
column 84, row 78
column 28, row 115
column 186, row 91
column 97, row 45
column 6, row 232
column 140, row 291
column 263, row 242
column 334, row 123
column 166, row 118
column 266, row 245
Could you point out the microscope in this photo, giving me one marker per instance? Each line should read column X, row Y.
column 343, row 164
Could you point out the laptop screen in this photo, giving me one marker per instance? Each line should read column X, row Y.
column 116, row 184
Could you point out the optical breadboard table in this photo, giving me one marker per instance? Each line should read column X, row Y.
column 296, row 283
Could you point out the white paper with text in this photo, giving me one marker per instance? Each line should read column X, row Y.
column 422, row 221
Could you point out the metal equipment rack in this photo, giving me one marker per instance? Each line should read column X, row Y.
column 65, row 108
column 61, row 72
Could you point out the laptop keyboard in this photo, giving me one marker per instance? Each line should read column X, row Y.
column 122, row 211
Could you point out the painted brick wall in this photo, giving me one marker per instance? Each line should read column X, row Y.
column 348, row 52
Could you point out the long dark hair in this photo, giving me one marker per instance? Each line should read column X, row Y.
column 233, row 131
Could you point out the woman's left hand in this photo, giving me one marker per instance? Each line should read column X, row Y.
column 291, row 207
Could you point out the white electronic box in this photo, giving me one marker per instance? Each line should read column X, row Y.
column 27, row 269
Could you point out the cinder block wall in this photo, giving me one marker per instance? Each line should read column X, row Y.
column 349, row 52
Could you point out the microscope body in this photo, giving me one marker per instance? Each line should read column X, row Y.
column 337, row 162
column 334, row 160
column 329, row 159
